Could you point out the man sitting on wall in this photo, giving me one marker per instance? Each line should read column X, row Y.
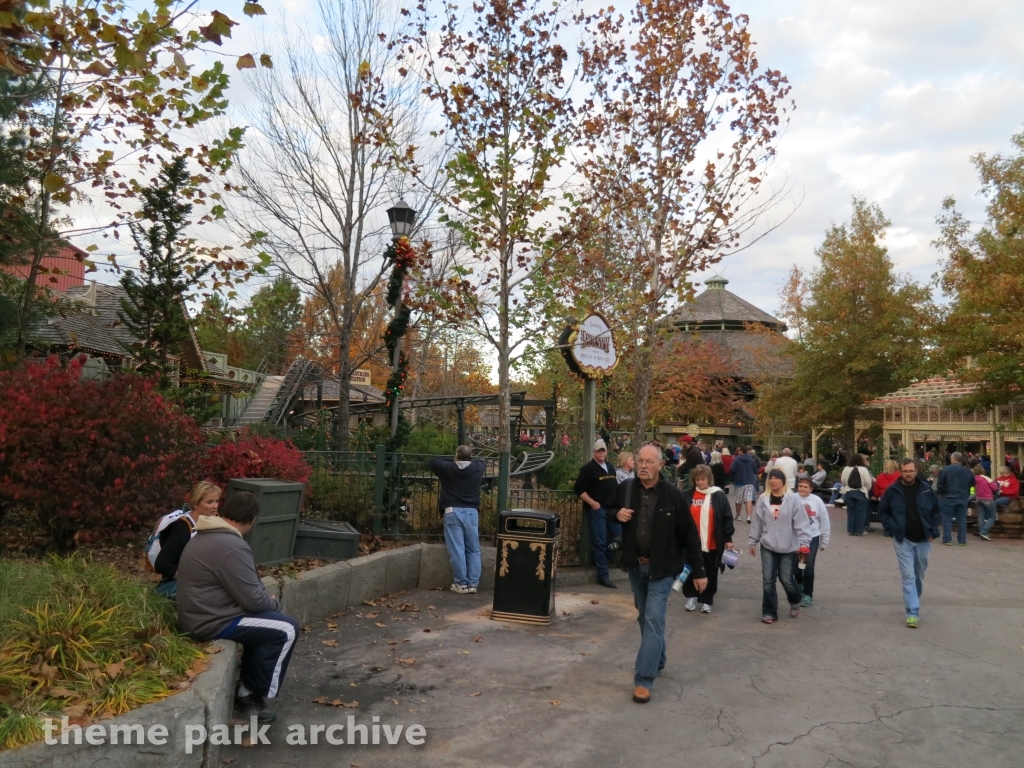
column 221, row 597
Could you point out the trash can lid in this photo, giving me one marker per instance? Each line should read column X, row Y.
column 537, row 514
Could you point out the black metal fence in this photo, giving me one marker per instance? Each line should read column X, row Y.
column 398, row 495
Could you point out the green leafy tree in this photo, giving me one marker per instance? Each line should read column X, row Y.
column 271, row 321
column 169, row 272
column 984, row 277
column 864, row 328
column 122, row 88
column 501, row 81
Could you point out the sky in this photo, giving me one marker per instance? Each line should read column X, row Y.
column 892, row 101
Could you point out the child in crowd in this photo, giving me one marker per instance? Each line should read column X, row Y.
column 821, row 530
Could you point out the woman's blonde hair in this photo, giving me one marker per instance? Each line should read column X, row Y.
column 1004, row 470
column 200, row 491
column 716, row 457
column 623, row 457
column 890, row 466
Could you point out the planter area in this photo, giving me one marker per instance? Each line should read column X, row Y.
column 309, row 596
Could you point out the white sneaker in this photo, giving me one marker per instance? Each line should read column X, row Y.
column 459, row 589
column 705, row 608
column 691, row 604
column 470, row 590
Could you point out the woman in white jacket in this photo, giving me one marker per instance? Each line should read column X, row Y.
column 821, row 531
column 781, row 526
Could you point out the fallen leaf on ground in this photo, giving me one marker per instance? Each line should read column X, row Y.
column 427, row 629
column 476, row 694
column 330, row 643
column 214, row 649
column 392, row 642
column 227, row 761
column 478, row 639
column 197, row 668
column 380, row 624
column 555, row 703
column 407, row 662
column 431, row 608
column 332, row 625
column 595, row 602
column 61, row 693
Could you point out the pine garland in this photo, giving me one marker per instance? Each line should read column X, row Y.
column 403, row 257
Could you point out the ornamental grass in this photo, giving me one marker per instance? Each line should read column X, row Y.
column 82, row 639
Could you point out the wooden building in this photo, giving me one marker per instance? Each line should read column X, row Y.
column 920, row 417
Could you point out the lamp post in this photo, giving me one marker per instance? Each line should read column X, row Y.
column 402, row 218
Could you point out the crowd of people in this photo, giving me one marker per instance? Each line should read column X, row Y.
column 664, row 532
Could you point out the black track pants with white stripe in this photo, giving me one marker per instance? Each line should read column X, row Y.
column 267, row 639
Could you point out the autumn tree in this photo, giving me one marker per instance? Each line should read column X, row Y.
column 499, row 77
column 319, row 175
column 865, row 328
column 984, row 277
column 679, row 133
column 120, row 85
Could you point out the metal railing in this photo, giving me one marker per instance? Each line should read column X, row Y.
column 361, row 488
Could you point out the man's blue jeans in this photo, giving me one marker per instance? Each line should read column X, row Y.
column 986, row 515
column 912, row 557
column 778, row 565
column 462, row 537
column 650, row 596
column 856, row 511
column 953, row 509
column 835, row 493
column 603, row 528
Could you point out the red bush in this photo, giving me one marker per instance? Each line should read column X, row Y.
column 91, row 456
column 255, row 456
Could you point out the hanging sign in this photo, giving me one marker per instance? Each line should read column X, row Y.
column 589, row 348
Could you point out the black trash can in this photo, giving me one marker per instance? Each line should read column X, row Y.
column 524, row 577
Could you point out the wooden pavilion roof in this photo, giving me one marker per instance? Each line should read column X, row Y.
column 933, row 391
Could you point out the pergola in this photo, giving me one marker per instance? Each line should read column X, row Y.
column 921, row 414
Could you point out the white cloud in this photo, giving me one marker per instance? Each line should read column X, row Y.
column 893, row 99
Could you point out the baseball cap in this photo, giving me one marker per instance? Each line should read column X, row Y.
column 687, row 439
column 600, row 445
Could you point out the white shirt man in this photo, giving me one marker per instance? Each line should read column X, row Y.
column 788, row 465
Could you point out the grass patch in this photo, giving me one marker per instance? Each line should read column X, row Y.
column 81, row 639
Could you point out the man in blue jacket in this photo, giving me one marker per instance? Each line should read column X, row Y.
column 954, row 487
column 461, row 479
column 744, row 480
column 909, row 512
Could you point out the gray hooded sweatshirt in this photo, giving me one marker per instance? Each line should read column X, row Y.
column 217, row 580
column 786, row 533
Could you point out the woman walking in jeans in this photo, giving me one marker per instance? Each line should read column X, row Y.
column 856, row 482
column 782, row 528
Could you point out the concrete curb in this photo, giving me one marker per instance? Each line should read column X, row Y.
column 207, row 701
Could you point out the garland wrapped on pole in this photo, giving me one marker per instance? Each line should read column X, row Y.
column 402, row 256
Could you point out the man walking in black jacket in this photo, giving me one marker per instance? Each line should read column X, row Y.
column 910, row 515
column 658, row 538
column 595, row 486
column 461, row 478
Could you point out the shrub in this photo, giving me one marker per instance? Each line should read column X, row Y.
column 562, row 472
column 252, row 455
column 91, row 457
column 430, row 440
column 83, row 639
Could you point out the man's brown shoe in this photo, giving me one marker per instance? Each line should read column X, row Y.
column 641, row 695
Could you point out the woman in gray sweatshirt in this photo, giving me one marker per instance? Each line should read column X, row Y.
column 781, row 526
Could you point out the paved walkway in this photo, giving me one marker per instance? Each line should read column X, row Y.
column 846, row 684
